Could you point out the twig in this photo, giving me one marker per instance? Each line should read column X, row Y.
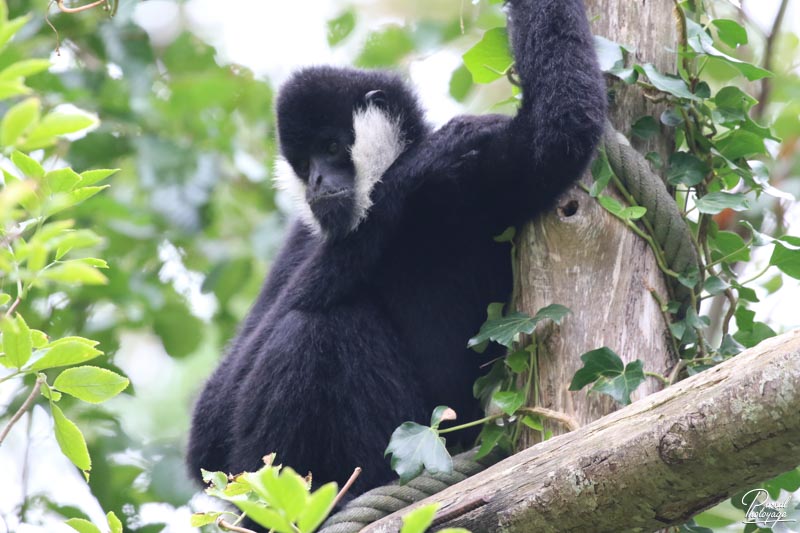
column 65, row 9
column 353, row 477
column 769, row 50
column 222, row 524
column 562, row 418
column 22, row 410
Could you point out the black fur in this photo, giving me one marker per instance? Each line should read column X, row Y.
column 352, row 336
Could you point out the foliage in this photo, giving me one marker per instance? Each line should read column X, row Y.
column 274, row 497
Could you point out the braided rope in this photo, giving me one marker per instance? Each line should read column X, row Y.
column 383, row 501
column 670, row 229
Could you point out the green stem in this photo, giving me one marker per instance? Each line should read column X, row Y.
column 471, row 424
column 756, row 276
column 658, row 376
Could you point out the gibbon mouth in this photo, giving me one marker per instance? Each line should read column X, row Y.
column 330, row 195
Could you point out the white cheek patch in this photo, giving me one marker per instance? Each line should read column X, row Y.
column 286, row 179
column 378, row 142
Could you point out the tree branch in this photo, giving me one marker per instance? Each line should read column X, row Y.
column 769, row 53
column 22, row 410
column 655, row 463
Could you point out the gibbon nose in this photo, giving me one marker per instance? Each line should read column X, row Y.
column 316, row 182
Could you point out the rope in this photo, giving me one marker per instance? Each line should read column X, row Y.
column 671, row 233
column 670, row 229
column 383, row 501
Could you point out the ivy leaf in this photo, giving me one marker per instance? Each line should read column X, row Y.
column 610, row 375
column 738, row 144
column 729, row 246
column 646, row 127
column 621, row 387
column 71, row 441
column 715, row 202
column 666, row 83
column 609, row 53
column 686, row 169
column 714, row 285
column 490, row 58
column 702, row 43
column 413, row 448
column 787, row 257
column 506, row 330
column 730, row 32
column 509, row 401
column 90, row 383
column 442, row 413
column 729, row 346
column 490, row 436
column 755, row 335
column 732, row 105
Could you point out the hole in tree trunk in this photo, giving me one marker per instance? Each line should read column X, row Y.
column 569, row 209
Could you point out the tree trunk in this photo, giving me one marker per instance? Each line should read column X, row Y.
column 637, row 470
column 580, row 256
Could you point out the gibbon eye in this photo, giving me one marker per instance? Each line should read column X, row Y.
column 333, row 148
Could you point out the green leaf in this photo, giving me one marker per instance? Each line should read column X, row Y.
column 609, row 54
column 340, row 27
column 10, row 89
column 114, row 523
column 597, row 363
column 555, row 312
column 18, row 120
column 71, row 441
column 737, row 144
column 646, row 127
column 17, row 341
column 714, row 202
column 490, row 58
column 264, row 516
column 56, row 124
column 67, row 352
column 27, row 165
column 713, row 285
column 686, row 169
column 9, row 29
column 490, row 436
column 666, row 83
column 60, row 180
column 180, row 331
column 75, row 272
column 419, row 520
column 24, row 68
column 729, row 245
column 610, row 375
column 702, row 43
column 518, row 361
column 440, row 414
column 90, row 383
column 82, row 526
column 385, row 48
column 414, row 447
column 787, row 258
column 730, row 32
column 509, row 401
column 204, row 519
column 90, row 177
column 732, row 105
column 461, row 83
column 754, row 336
column 317, row 508
column 621, row 387
column 76, row 240
column 729, row 346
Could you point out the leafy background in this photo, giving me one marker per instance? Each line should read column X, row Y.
column 184, row 95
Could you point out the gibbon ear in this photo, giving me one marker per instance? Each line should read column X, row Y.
column 376, row 98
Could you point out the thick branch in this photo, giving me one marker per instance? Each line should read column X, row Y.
column 655, row 463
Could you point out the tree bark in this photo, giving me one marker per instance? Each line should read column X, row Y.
column 655, row 463
column 580, row 256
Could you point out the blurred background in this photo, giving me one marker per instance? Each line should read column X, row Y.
column 184, row 91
